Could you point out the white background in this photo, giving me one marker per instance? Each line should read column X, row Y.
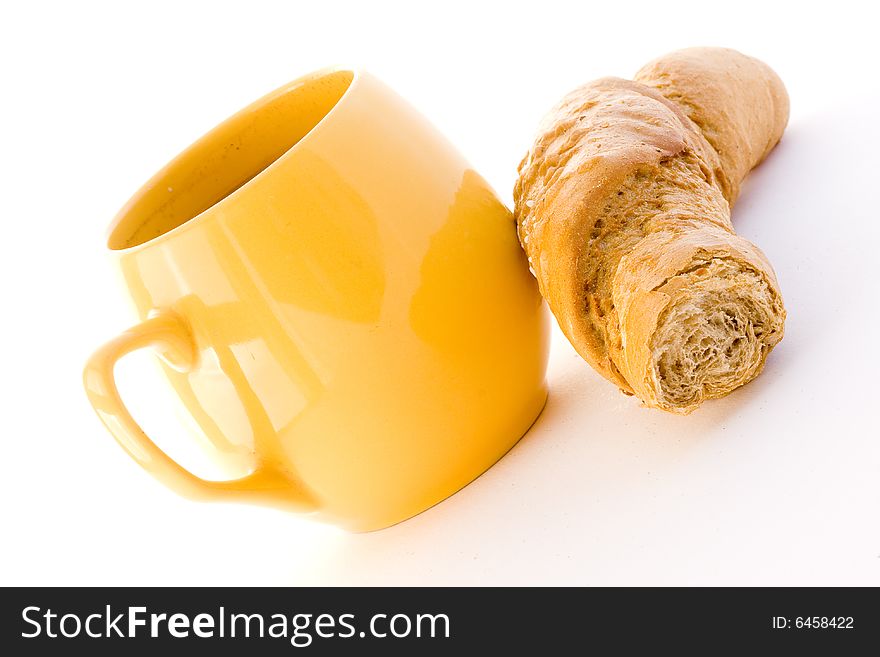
column 777, row 484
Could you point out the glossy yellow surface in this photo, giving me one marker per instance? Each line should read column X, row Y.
column 340, row 302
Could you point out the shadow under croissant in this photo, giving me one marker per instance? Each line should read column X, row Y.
column 786, row 210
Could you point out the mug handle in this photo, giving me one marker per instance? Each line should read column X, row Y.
column 167, row 331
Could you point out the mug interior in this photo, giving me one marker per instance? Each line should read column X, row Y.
column 226, row 158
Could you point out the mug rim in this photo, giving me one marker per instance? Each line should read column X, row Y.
column 255, row 106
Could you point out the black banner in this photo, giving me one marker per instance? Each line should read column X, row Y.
column 337, row 621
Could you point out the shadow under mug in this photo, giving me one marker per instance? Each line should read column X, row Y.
column 340, row 302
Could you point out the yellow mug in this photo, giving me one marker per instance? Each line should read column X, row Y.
column 340, row 302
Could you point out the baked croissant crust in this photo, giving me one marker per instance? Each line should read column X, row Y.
column 623, row 208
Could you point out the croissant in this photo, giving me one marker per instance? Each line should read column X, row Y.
column 623, row 209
